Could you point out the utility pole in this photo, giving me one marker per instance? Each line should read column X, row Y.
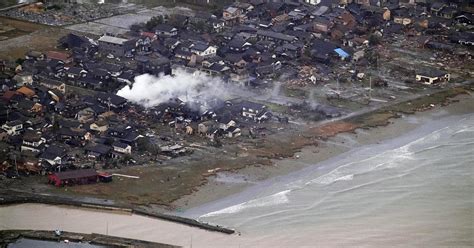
column 16, row 165
column 370, row 88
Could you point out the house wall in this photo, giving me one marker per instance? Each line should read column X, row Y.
column 432, row 80
column 127, row 150
column 401, row 20
column 15, row 130
column 29, row 148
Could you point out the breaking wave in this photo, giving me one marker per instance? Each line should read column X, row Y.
column 271, row 200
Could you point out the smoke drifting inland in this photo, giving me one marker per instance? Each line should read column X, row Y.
column 149, row 91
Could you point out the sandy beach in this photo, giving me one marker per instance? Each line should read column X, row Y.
column 229, row 183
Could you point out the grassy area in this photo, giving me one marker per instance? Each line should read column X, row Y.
column 295, row 92
column 277, row 108
column 382, row 116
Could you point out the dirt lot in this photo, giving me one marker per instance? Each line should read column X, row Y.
column 28, row 36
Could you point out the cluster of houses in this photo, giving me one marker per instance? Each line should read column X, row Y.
column 46, row 128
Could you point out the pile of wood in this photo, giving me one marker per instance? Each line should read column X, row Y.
column 306, row 75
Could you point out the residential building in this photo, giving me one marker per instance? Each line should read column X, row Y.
column 13, row 127
column 432, row 76
column 122, row 148
column 115, row 46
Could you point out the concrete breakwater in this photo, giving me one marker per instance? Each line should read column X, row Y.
column 10, row 236
column 12, row 198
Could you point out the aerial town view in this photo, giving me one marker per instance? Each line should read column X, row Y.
column 250, row 123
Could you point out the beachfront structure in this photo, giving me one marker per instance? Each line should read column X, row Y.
column 74, row 177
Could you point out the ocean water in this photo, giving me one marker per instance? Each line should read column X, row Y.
column 414, row 190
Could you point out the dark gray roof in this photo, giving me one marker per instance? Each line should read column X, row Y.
column 98, row 148
column 276, row 35
column 431, row 72
column 199, row 46
column 120, row 144
column 251, row 105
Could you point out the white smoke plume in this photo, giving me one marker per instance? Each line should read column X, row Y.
column 150, row 91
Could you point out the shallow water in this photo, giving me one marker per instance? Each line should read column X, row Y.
column 415, row 190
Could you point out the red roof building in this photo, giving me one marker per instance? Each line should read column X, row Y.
column 150, row 35
column 75, row 177
column 66, row 58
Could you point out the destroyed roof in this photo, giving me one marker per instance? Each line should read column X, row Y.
column 31, row 136
column 26, row 91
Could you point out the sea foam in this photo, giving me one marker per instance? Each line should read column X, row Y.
column 271, row 200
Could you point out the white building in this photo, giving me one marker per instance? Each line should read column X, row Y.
column 13, row 127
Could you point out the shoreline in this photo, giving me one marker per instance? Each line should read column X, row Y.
column 232, row 183
column 330, row 138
